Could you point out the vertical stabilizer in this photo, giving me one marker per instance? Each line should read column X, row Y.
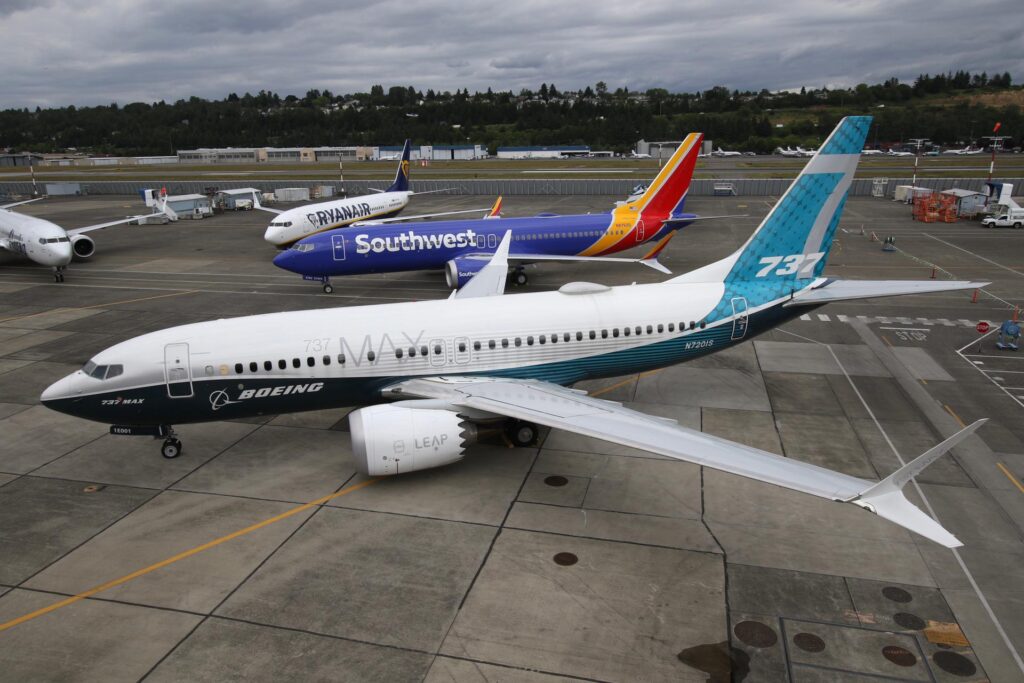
column 401, row 183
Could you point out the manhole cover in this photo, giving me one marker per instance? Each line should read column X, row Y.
column 808, row 642
column 755, row 634
column 93, row 488
column 898, row 655
column 908, row 621
column 566, row 559
column 897, row 594
column 954, row 663
column 556, row 480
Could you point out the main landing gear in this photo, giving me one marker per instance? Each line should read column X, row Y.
column 172, row 444
column 58, row 273
column 522, row 434
column 328, row 288
column 519, row 276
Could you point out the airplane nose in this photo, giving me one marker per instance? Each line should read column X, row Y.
column 285, row 260
column 273, row 235
column 64, row 388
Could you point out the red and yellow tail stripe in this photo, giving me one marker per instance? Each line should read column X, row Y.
column 654, row 205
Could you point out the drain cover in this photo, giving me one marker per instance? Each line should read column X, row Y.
column 755, row 634
column 898, row 655
column 556, row 480
column 566, row 559
column 93, row 488
column 808, row 642
column 908, row 621
column 954, row 663
column 897, row 594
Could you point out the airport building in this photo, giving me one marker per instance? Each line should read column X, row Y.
column 20, row 159
column 545, row 152
column 434, row 152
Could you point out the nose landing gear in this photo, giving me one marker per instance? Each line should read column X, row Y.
column 171, row 447
column 58, row 273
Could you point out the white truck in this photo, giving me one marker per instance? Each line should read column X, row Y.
column 1012, row 218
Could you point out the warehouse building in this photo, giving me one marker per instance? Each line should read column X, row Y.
column 20, row 159
column 545, row 152
column 433, row 152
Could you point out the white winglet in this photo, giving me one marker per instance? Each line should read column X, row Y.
column 490, row 281
column 886, row 498
column 653, row 262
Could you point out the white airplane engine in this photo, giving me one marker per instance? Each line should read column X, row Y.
column 459, row 271
column 83, row 246
column 392, row 439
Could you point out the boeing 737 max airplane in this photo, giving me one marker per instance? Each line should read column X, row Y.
column 47, row 243
column 302, row 221
column 482, row 358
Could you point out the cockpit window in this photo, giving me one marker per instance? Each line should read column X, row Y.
column 102, row 371
column 281, row 224
column 304, row 247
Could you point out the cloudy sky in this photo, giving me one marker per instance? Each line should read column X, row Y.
column 59, row 52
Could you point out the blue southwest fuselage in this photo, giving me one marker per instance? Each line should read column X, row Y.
column 432, row 245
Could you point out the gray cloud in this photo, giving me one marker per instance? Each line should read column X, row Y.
column 62, row 52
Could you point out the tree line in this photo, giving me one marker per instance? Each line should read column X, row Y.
column 946, row 108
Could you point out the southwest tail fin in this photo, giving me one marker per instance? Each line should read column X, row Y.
column 667, row 192
column 401, row 183
column 793, row 240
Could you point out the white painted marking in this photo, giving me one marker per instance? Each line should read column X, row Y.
column 842, row 318
column 824, row 318
column 805, row 317
column 978, row 256
column 907, row 329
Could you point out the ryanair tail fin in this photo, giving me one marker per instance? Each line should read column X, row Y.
column 794, row 239
column 401, row 183
column 666, row 194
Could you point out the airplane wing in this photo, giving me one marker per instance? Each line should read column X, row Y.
column 572, row 410
column 650, row 262
column 100, row 226
column 845, row 290
column 490, row 281
column 422, row 215
column 26, row 201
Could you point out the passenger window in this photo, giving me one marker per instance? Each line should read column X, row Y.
column 650, row 329
column 423, row 350
column 579, row 336
column 327, row 360
column 593, row 334
column 567, row 336
column 661, row 328
column 604, row 334
column 625, row 331
column 238, row 368
column 639, row 330
column 412, row 352
column 519, row 341
column 437, row 349
column 462, row 346
column 253, row 367
column 554, row 339
column 542, row 339
column 209, row 370
column 282, row 364
column 296, row 363
column 692, row 324
column 671, row 327
column 476, row 346
column 341, row 359
column 371, row 356
column 268, row 366
column 490, row 344
column 504, row 343
column 398, row 353
column 529, row 341
column 703, row 324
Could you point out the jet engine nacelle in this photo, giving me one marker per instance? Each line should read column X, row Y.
column 393, row 440
column 459, row 271
column 83, row 246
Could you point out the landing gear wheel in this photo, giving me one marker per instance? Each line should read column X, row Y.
column 521, row 434
column 328, row 288
column 58, row 275
column 171, row 449
column 519, row 278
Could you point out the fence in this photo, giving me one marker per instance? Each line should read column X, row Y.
column 752, row 187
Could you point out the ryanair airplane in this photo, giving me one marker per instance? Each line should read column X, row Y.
column 463, row 247
column 430, row 373
column 302, row 221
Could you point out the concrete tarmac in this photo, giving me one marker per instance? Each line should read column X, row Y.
column 574, row 560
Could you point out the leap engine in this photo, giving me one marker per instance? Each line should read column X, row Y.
column 389, row 439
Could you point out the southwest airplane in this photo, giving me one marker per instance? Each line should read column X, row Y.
column 464, row 247
column 480, row 358
column 47, row 243
column 302, row 221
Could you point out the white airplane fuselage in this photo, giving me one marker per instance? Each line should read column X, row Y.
column 305, row 360
column 292, row 225
column 37, row 239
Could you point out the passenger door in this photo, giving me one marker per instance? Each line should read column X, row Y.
column 739, row 321
column 338, row 247
column 177, row 371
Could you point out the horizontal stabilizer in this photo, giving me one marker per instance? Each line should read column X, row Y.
column 886, row 498
column 26, row 201
column 846, row 290
column 686, row 220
